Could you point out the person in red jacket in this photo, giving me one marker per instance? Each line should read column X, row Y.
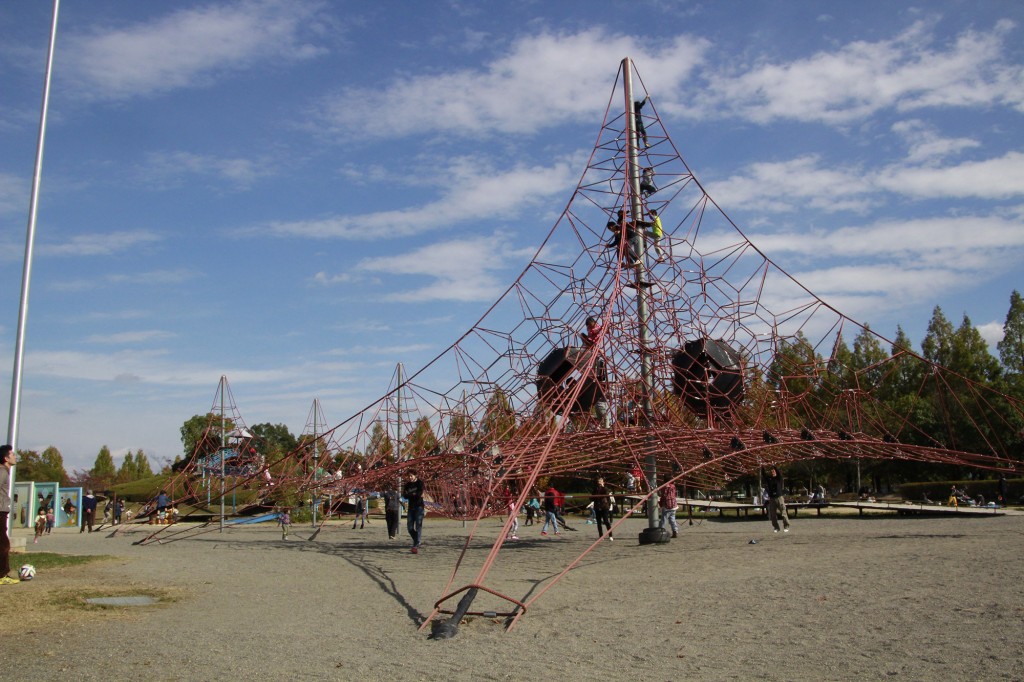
column 550, row 510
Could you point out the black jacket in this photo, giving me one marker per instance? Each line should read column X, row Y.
column 774, row 485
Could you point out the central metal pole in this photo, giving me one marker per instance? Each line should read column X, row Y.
column 652, row 533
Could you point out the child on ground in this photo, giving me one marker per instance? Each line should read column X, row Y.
column 286, row 522
column 51, row 519
column 40, row 525
column 513, row 512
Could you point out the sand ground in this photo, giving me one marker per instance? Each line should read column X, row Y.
column 836, row 599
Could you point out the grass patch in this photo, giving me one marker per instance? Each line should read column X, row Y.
column 46, row 560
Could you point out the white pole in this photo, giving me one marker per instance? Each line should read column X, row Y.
column 316, row 458
column 223, row 444
column 398, row 434
column 30, row 237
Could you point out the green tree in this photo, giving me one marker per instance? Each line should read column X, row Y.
column 142, row 467
column 421, row 441
column 201, row 434
column 380, row 447
column 274, row 440
column 42, row 468
column 103, row 471
column 1011, row 348
column 903, row 370
column 499, row 421
column 128, row 472
column 794, row 375
column 937, row 345
column 460, row 429
column 868, row 359
column 968, row 415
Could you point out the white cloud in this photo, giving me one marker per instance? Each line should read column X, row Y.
column 171, row 168
column 543, row 80
column 797, row 183
column 806, row 181
column 472, row 190
column 323, row 279
column 999, row 178
column 992, row 332
column 14, row 194
column 190, row 47
column 98, row 244
column 159, row 368
column 461, row 270
column 913, row 239
column 891, row 264
column 925, row 144
column 906, row 73
column 130, row 337
column 152, row 278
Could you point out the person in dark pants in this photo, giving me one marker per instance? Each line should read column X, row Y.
column 8, row 458
column 88, row 511
column 360, row 512
column 638, row 119
column 392, row 511
column 602, row 508
column 413, row 494
column 775, row 488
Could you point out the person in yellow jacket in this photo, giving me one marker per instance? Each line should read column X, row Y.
column 655, row 233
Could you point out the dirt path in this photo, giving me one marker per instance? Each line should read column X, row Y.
column 836, row 599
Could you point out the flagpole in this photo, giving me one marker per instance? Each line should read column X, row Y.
column 26, row 273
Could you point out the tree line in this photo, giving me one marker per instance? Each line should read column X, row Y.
column 48, row 466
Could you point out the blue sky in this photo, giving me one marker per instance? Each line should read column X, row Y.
column 299, row 195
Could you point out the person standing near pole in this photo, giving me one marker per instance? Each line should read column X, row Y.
column 775, row 488
column 8, row 458
column 415, row 508
column 667, row 501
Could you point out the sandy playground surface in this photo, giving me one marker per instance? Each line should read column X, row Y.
column 836, row 599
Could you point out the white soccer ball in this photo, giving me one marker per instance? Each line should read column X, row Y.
column 27, row 572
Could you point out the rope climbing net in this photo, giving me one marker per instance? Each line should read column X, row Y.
column 704, row 362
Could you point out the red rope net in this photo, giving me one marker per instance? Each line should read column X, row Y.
column 709, row 363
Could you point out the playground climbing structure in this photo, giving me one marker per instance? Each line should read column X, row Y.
column 708, row 362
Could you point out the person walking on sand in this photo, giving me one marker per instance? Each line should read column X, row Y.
column 360, row 512
column 286, row 523
column 392, row 511
column 415, row 508
column 8, row 458
column 510, row 500
column 550, row 511
column 602, row 508
column 532, row 507
column 775, row 492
